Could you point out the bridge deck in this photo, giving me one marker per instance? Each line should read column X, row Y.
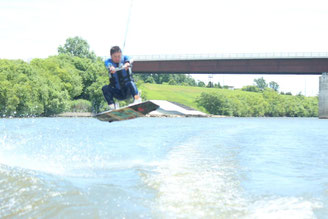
column 287, row 66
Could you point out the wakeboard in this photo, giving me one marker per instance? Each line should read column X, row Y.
column 128, row 112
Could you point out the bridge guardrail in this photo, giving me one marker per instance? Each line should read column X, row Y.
column 230, row 56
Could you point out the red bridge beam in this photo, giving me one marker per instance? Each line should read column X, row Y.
column 288, row 66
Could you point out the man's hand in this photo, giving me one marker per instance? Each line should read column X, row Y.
column 127, row 65
column 112, row 69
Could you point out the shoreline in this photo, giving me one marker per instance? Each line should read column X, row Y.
column 183, row 116
column 90, row 115
column 74, row 114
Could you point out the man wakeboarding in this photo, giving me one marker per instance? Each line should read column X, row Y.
column 121, row 85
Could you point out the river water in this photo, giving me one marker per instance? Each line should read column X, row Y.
column 164, row 168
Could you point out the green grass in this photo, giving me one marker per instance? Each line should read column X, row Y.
column 265, row 101
column 182, row 94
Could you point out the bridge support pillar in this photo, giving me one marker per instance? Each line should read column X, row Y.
column 323, row 96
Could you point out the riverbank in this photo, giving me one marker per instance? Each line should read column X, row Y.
column 166, row 109
column 74, row 114
column 88, row 114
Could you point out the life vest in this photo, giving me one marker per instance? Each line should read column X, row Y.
column 120, row 78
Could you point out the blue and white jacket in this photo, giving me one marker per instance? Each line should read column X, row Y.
column 121, row 78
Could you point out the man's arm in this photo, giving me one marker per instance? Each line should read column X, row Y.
column 127, row 63
column 109, row 66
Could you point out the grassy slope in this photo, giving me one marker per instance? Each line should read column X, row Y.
column 181, row 94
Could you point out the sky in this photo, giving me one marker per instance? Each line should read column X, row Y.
column 35, row 29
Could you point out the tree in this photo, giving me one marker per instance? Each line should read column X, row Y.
column 260, row 83
column 215, row 103
column 218, row 85
column 172, row 82
column 95, row 93
column 210, row 84
column 251, row 88
column 274, row 85
column 77, row 46
column 150, row 80
column 201, row 84
column 172, row 79
column 275, row 103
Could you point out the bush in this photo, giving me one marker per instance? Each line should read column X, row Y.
column 172, row 82
column 80, row 106
column 269, row 103
column 251, row 88
column 216, row 104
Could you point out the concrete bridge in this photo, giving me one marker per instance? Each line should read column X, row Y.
column 269, row 63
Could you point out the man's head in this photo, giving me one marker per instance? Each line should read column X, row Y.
column 116, row 54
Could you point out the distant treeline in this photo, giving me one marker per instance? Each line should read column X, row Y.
column 57, row 84
column 50, row 86
column 72, row 81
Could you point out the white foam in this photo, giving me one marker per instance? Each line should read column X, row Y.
column 77, row 165
column 32, row 163
column 192, row 184
column 189, row 187
column 283, row 207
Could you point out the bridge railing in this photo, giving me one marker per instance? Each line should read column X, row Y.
column 231, row 56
